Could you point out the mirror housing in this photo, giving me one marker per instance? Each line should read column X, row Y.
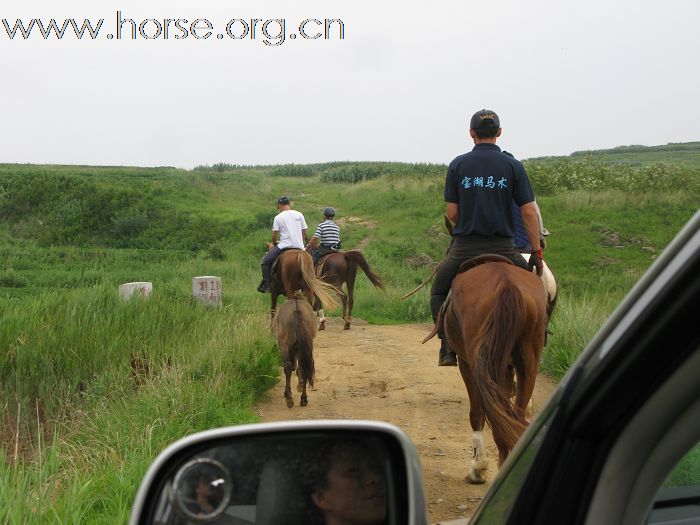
column 282, row 473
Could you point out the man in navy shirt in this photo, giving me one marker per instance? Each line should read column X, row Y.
column 480, row 188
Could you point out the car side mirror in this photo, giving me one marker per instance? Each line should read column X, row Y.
column 288, row 473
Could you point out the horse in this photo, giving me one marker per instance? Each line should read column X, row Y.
column 294, row 270
column 495, row 321
column 338, row 269
column 295, row 327
column 549, row 281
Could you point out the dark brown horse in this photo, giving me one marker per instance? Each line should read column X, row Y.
column 338, row 269
column 293, row 271
column 295, row 327
column 495, row 322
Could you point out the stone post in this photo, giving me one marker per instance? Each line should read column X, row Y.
column 207, row 289
column 140, row 289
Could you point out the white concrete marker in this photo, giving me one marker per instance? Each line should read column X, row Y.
column 141, row 289
column 207, row 289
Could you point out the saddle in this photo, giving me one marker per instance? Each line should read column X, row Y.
column 466, row 265
column 275, row 263
column 318, row 264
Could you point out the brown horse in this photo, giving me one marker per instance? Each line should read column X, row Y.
column 295, row 327
column 294, row 270
column 495, row 322
column 338, row 269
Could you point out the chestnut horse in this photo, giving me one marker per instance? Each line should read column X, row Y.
column 495, row 322
column 338, row 269
column 294, row 270
column 295, row 327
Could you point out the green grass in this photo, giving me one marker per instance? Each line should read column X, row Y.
column 687, row 472
column 92, row 388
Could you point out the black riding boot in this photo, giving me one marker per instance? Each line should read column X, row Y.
column 447, row 356
column 264, row 286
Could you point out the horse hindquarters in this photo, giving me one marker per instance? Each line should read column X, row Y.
column 495, row 320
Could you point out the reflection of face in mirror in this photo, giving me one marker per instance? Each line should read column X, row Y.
column 201, row 490
column 350, row 488
column 201, row 502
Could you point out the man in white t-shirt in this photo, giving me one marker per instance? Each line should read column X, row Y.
column 288, row 231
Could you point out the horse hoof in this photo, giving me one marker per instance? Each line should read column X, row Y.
column 347, row 326
column 290, row 403
column 475, row 478
column 304, row 402
column 322, row 326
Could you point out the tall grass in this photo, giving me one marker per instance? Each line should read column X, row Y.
column 114, row 383
column 687, row 472
column 575, row 321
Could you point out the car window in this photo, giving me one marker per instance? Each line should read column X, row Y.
column 677, row 500
column 497, row 508
column 687, row 472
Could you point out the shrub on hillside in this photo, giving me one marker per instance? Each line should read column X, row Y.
column 553, row 176
column 352, row 173
column 293, row 170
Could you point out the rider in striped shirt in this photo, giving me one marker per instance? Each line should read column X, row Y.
column 327, row 236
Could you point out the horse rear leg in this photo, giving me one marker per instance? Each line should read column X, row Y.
column 348, row 303
column 273, row 306
column 525, row 385
column 304, row 400
column 299, row 380
column 479, row 462
column 319, row 313
column 287, row 385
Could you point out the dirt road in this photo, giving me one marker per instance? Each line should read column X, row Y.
column 385, row 373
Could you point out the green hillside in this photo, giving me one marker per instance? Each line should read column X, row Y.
column 92, row 388
column 680, row 154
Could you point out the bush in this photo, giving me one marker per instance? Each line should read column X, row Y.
column 10, row 279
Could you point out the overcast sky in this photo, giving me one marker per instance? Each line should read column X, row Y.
column 400, row 86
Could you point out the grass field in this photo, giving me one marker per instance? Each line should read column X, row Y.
column 93, row 388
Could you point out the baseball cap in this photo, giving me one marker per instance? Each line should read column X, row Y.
column 283, row 200
column 485, row 119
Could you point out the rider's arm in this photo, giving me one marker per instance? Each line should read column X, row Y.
column 532, row 225
column 303, row 235
column 452, row 211
column 275, row 237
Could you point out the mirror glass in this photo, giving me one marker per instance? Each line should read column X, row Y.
column 283, row 478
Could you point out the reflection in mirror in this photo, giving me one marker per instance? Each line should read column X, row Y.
column 286, row 478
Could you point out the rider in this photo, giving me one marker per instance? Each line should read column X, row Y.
column 288, row 231
column 327, row 236
column 522, row 242
column 479, row 188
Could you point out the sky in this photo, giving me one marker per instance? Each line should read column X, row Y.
column 400, row 85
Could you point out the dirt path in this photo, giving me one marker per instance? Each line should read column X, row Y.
column 384, row 373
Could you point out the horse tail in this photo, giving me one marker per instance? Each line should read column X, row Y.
column 323, row 291
column 304, row 344
column 495, row 343
column 359, row 259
